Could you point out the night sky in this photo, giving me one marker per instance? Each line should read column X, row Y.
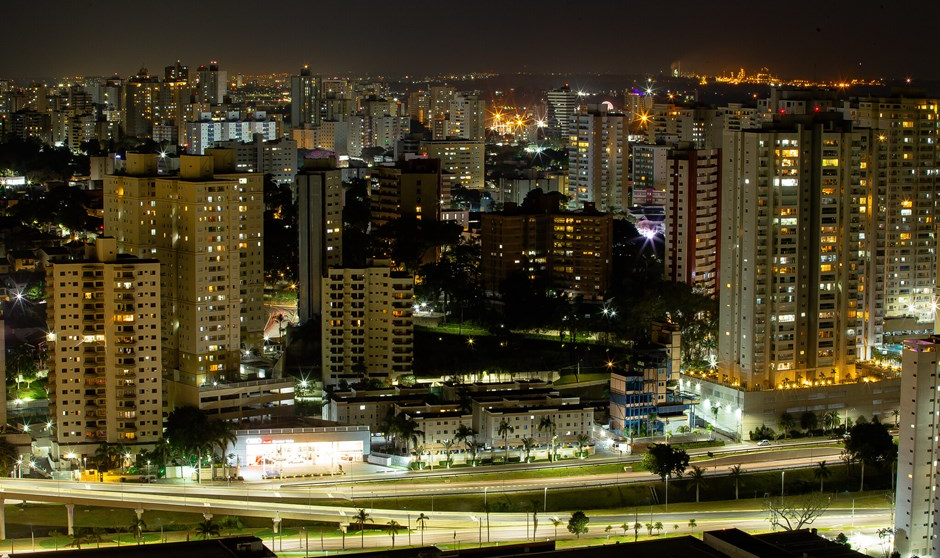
column 818, row 39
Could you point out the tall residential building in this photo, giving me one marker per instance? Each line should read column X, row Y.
column 562, row 104
column 791, row 234
column 105, row 372
column 693, row 200
column 212, row 83
column 141, row 104
column 305, row 98
column 410, row 189
column 320, row 226
column 917, row 501
column 597, row 158
column 367, row 330
column 569, row 251
column 438, row 107
column 649, row 173
column 275, row 157
column 204, row 225
column 419, row 106
column 208, row 130
column 467, row 117
column 901, row 216
column 461, row 161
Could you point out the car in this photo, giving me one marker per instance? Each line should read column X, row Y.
column 763, row 443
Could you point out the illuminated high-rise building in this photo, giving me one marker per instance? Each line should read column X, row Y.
column 598, row 154
column 467, row 118
column 212, row 83
column 367, row 330
column 791, row 234
column 562, row 104
column 917, row 501
column 901, row 214
column 105, row 376
column 305, row 98
column 320, row 195
column 141, row 105
column 462, row 161
column 204, row 225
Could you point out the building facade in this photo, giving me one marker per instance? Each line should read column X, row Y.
column 791, row 235
column 320, row 195
column 105, row 370
column 598, row 155
column 367, row 330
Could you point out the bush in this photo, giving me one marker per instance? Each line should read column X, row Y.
column 763, row 432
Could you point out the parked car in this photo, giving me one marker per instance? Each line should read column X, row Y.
column 763, row 443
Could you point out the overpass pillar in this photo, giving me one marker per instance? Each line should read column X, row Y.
column 70, row 508
column 3, row 520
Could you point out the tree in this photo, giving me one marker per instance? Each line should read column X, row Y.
column 649, row 528
column 504, row 430
column 578, row 524
column 392, row 528
column 792, row 513
column 608, row 529
column 548, row 424
column 360, row 518
column 188, row 430
column 786, row 423
column 822, row 473
column 697, row 480
column 636, row 531
column 666, row 461
column 422, row 521
column 737, row 475
column 208, row 528
column 527, row 445
column 692, row 523
column 658, row 526
column 872, row 444
column 809, row 421
column 626, row 527
column 468, row 436
column 831, row 420
column 583, row 440
column 556, row 522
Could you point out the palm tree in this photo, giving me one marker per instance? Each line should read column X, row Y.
column 831, row 420
column 504, row 430
column 421, row 521
column 737, row 474
column 527, row 445
column 392, row 528
column 607, row 530
column 137, row 529
column 659, row 527
column 626, row 527
column 407, row 427
column 223, row 435
column 555, row 523
column 361, row 517
column 786, row 423
column 188, row 430
column 649, row 528
column 697, row 479
column 822, row 473
column 636, row 531
column 468, row 436
column 208, row 528
column 448, row 444
column 650, row 420
column 583, row 440
column 548, row 424
column 692, row 523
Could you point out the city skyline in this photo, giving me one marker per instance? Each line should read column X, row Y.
column 837, row 39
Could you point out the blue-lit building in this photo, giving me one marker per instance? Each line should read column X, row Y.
column 645, row 396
